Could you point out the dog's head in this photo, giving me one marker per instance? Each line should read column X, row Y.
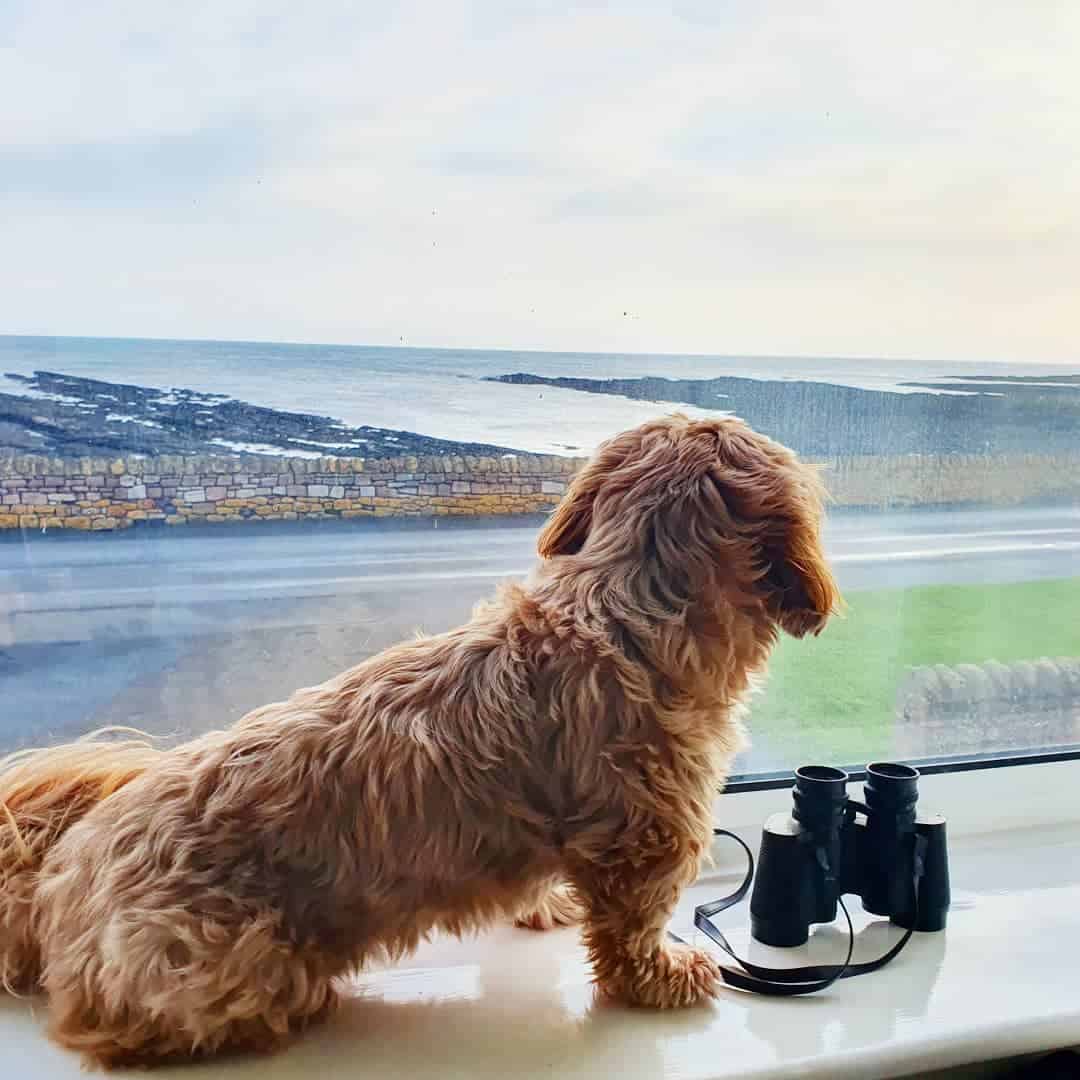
column 705, row 505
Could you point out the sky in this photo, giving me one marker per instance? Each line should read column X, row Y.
column 831, row 179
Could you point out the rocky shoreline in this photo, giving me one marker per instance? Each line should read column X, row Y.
column 90, row 455
column 70, row 417
column 976, row 417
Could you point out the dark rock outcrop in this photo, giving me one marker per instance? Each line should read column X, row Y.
column 76, row 417
column 824, row 419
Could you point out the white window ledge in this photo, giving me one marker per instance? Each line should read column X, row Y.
column 1002, row 980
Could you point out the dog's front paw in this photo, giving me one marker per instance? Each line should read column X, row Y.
column 559, row 907
column 692, row 975
column 674, row 977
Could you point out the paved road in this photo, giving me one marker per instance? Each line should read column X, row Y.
column 178, row 631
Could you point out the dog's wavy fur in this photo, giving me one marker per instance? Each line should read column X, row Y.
column 555, row 759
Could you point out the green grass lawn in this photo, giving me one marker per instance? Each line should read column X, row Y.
column 837, row 693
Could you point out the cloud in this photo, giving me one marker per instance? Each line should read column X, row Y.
column 137, row 169
column 744, row 178
column 484, row 163
column 617, row 203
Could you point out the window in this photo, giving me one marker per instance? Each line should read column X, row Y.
column 281, row 537
column 685, row 208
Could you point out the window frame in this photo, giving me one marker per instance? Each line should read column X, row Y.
column 987, row 797
column 932, row 766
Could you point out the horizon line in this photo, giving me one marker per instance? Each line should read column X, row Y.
column 750, row 356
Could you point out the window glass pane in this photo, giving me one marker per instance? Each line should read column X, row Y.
column 691, row 207
column 175, row 591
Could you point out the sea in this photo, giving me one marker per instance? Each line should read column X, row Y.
column 442, row 392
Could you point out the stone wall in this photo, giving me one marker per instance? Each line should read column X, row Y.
column 40, row 493
column 974, row 708
column 953, row 479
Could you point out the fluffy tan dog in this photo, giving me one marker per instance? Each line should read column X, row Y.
column 554, row 760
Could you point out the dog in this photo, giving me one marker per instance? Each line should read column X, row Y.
column 554, row 761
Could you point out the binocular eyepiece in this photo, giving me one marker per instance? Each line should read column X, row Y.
column 882, row 849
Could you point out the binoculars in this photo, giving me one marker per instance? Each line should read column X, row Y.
column 893, row 857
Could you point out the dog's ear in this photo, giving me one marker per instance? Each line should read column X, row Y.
column 801, row 585
column 780, row 500
column 569, row 526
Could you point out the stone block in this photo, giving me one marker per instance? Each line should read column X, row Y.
column 1024, row 677
column 215, row 493
column 318, row 490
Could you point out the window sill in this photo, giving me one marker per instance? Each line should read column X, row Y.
column 1002, row 980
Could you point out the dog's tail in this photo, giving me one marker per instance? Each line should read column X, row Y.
column 42, row 794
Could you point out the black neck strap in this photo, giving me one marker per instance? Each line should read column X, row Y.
column 790, row 982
